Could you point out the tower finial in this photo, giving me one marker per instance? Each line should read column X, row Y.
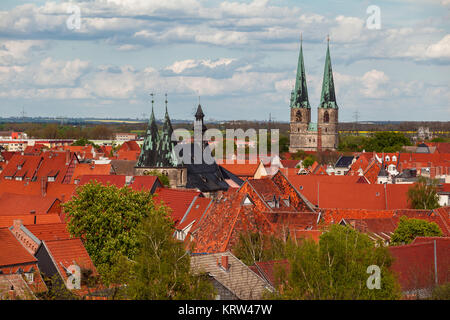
column 301, row 37
column 153, row 101
column 328, row 39
column 166, row 101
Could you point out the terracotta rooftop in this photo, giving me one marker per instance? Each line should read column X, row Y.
column 12, row 253
column 415, row 263
column 18, row 204
column 82, row 169
column 49, row 231
column 178, row 200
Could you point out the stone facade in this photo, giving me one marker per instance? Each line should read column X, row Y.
column 177, row 175
column 305, row 135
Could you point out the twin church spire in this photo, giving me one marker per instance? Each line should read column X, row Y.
column 158, row 149
column 299, row 96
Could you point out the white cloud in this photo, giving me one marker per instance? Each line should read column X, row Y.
column 440, row 49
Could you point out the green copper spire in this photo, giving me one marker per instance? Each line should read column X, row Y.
column 166, row 146
column 149, row 149
column 300, row 94
column 328, row 96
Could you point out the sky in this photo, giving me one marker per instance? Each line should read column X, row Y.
column 239, row 57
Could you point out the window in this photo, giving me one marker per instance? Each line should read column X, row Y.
column 326, row 117
column 394, row 158
column 387, row 158
column 298, row 116
column 29, row 276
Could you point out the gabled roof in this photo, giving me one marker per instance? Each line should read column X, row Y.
column 17, row 204
column 147, row 183
column 129, row 146
column 49, row 231
column 12, row 253
column 67, row 252
column 268, row 270
column 83, row 169
column 194, row 213
column 239, row 278
column 178, row 200
column 344, row 161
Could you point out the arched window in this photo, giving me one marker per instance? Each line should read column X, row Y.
column 394, row 158
column 387, row 159
column 326, row 117
column 298, row 116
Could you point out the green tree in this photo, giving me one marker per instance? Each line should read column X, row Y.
column 107, row 218
column 336, row 268
column 254, row 247
column 386, row 141
column 163, row 178
column 162, row 267
column 441, row 292
column 423, row 194
column 308, row 161
column 408, row 229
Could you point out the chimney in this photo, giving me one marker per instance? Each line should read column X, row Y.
column 224, row 262
column 12, row 293
column 67, row 157
column 43, row 186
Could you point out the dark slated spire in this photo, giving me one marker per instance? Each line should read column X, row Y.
column 148, row 155
column 328, row 96
column 199, row 115
column 300, row 94
column 166, row 145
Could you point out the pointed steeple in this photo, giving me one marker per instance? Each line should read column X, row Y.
column 300, row 94
column 148, row 155
column 328, row 96
column 166, row 145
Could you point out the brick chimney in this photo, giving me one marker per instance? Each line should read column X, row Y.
column 43, row 186
column 67, row 157
column 224, row 262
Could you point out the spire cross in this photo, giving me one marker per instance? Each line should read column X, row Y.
column 152, row 95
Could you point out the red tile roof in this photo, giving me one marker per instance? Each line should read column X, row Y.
column 67, row 252
column 17, row 204
column 146, row 183
column 49, row 231
column 178, row 200
column 415, row 263
column 269, row 270
column 290, row 163
column 83, row 169
column 7, row 221
column 194, row 213
column 12, row 253
column 129, row 146
column 241, row 170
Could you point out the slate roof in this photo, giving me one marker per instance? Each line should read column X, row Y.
column 239, row 279
column 344, row 161
column 123, row 167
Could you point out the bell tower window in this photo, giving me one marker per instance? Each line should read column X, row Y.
column 298, row 116
column 326, row 117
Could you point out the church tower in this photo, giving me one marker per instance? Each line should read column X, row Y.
column 300, row 107
column 327, row 112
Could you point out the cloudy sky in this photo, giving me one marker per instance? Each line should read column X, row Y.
column 239, row 56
